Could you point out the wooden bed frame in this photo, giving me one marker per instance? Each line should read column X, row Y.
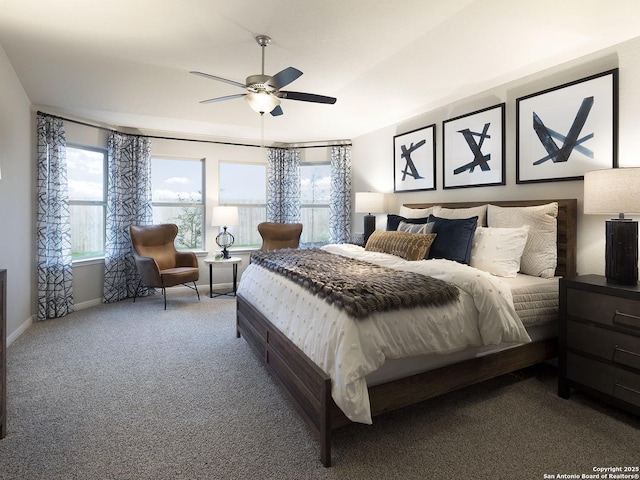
column 309, row 388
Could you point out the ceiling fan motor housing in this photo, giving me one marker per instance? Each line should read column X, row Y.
column 257, row 83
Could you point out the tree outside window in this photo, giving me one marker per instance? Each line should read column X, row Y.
column 177, row 197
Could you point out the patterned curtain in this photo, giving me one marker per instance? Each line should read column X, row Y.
column 340, row 203
column 283, row 187
column 53, row 227
column 128, row 203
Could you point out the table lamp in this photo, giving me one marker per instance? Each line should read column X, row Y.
column 368, row 202
column 224, row 216
column 615, row 191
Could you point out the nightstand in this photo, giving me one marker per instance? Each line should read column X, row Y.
column 599, row 340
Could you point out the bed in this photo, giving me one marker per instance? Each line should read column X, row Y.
column 309, row 387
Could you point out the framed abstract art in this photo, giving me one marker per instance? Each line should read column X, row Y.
column 414, row 160
column 565, row 131
column 473, row 149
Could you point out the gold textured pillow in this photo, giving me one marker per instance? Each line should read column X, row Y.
column 410, row 246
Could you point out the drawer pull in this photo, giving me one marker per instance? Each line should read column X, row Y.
column 623, row 350
column 626, row 320
column 633, row 390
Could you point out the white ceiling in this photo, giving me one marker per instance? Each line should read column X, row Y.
column 127, row 63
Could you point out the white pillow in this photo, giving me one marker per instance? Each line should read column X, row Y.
column 498, row 250
column 407, row 212
column 479, row 211
column 540, row 255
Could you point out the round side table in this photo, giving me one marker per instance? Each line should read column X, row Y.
column 221, row 263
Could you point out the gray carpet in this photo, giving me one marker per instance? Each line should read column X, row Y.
column 132, row 391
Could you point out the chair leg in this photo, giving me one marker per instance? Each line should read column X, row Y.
column 196, row 287
column 135, row 293
column 164, row 294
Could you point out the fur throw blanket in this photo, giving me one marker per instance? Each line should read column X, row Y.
column 358, row 287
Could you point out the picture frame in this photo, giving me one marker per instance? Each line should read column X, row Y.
column 564, row 131
column 473, row 149
column 414, row 160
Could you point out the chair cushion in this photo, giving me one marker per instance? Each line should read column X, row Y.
column 177, row 276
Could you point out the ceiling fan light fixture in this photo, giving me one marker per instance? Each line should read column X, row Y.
column 262, row 102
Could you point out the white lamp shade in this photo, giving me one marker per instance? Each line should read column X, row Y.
column 369, row 202
column 262, row 102
column 224, row 216
column 612, row 191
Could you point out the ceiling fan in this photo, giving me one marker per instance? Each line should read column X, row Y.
column 263, row 91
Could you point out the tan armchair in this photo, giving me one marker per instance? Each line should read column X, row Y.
column 159, row 263
column 279, row 235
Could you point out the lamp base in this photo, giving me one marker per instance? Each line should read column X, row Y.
column 622, row 252
column 369, row 226
column 224, row 240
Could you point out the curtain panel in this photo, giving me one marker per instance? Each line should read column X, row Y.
column 283, row 185
column 128, row 203
column 53, row 227
column 340, row 202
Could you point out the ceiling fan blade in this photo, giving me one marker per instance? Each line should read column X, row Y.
column 222, row 99
column 220, row 79
column 277, row 111
column 307, row 97
column 283, row 78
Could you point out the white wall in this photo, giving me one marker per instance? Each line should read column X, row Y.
column 372, row 154
column 16, row 198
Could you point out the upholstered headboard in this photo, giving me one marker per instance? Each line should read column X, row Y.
column 567, row 226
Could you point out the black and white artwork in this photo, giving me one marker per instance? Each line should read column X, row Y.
column 473, row 148
column 414, row 165
column 568, row 130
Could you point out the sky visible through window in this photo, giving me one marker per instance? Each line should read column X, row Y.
column 243, row 183
column 176, row 180
column 315, row 184
column 85, row 174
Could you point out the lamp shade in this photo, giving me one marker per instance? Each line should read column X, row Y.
column 369, row 202
column 262, row 102
column 613, row 191
column 224, row 216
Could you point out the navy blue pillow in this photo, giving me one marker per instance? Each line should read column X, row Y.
column 454, row 238
column 394, row 220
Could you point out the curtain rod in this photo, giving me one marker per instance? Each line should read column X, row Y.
column 217, row 142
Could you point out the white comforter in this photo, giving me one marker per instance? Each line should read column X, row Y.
column 348, row 349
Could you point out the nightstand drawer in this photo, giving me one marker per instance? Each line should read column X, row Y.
column 615, row 382
column 605, row 309
column 614, row 346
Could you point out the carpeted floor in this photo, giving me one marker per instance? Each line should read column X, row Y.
column 135, row 392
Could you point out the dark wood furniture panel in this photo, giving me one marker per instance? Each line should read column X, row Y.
column 309, row 388
column 3, row 353
column 600, row 340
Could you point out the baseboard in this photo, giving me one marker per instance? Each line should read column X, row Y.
column 19, row 331
column 87, row 304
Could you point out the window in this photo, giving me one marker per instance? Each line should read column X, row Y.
column 245, row 185
column 315, row 194
column 86, row 177
column 177, row 196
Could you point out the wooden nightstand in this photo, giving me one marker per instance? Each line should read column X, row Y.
column 599, row 349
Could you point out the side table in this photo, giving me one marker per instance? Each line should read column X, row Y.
column 223, row 262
